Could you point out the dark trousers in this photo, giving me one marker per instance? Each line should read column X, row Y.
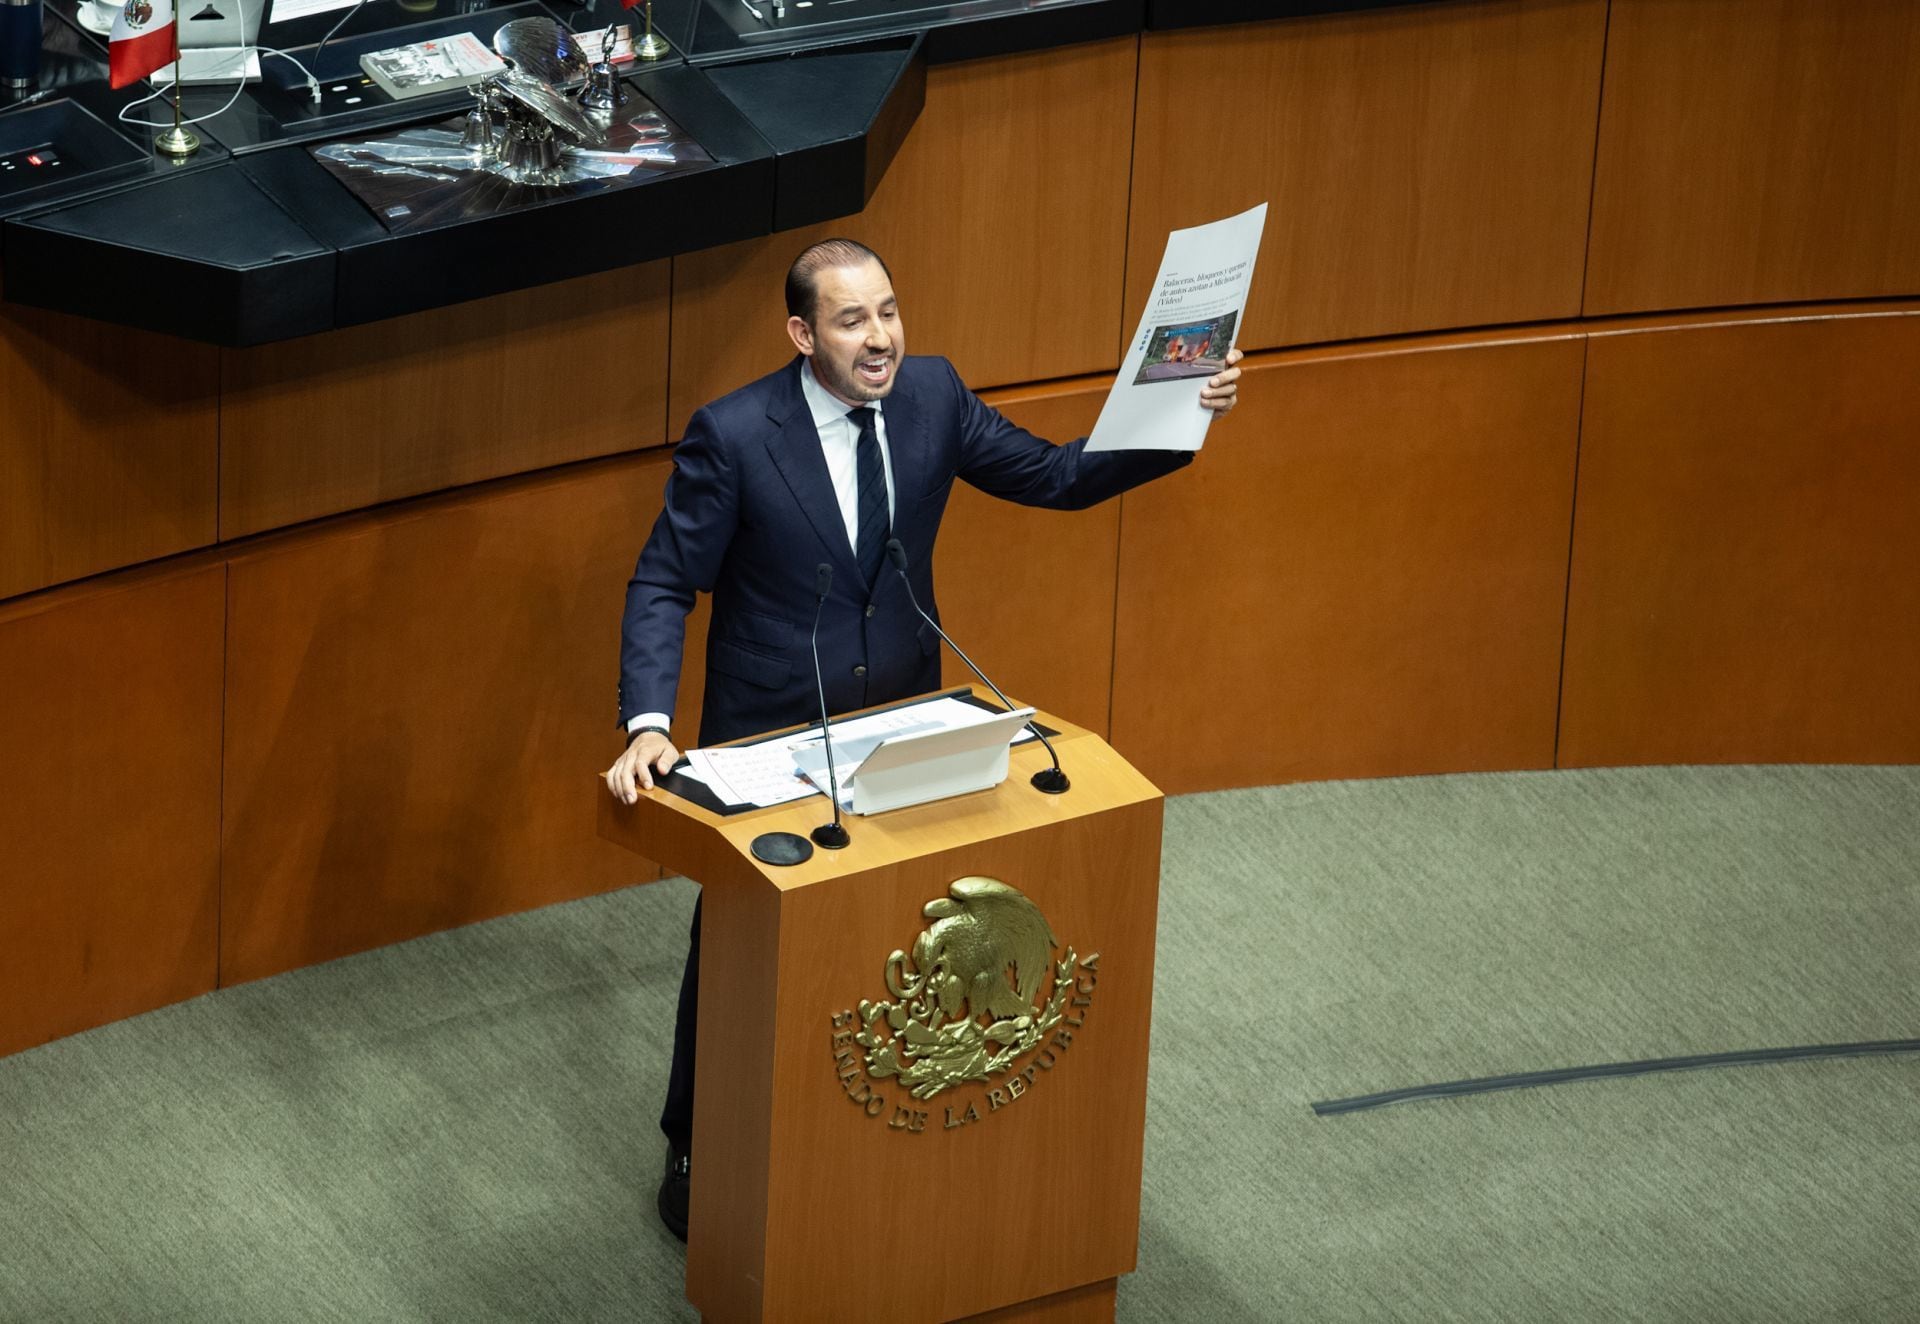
column 676, row 1118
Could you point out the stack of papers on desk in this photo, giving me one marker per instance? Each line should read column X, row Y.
column 770, row 772
column 749, row 774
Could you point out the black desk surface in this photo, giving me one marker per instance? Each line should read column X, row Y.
column 251, row 240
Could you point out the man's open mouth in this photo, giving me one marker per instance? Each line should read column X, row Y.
column 875, row 370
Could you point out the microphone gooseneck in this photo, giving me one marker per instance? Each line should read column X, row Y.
column 832, row 835
column 353, row 9
column 1051, row 780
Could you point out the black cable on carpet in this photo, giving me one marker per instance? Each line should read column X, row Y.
column 1607, row 1070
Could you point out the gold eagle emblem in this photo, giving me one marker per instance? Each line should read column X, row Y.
column 966, row 1000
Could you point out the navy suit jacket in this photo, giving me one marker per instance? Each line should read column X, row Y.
column 750, row 513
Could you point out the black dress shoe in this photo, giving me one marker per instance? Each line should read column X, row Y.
column 675, row 1188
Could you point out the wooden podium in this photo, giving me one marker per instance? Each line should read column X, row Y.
column 824, row 1189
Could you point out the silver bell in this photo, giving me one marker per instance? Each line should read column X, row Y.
column 477, row 137
column 603, row 90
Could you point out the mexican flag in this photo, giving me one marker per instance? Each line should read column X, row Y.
column 142, row 41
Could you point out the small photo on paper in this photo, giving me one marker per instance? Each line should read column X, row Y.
column 1187, row 349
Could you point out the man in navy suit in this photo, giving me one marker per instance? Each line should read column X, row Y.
column 850, row 444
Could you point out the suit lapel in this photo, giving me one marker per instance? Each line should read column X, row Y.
column 795, row 449
column 906, row 450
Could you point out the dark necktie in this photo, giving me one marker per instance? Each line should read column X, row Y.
column 870, row 480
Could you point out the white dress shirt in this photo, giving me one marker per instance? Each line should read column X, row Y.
column 839, row 444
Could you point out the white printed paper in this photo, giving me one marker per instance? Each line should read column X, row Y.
column 768, row 772
column 758, row 775
column 927, row 715
column 285, row 11
column 1191, row 320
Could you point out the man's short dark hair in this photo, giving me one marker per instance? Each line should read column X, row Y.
column 803, row 291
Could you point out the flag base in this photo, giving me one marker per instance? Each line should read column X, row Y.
column 653, row 45
column 176, row 142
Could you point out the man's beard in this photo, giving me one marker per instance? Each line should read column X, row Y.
column 849, row 385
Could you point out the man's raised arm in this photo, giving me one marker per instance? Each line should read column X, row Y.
column 1011, row 463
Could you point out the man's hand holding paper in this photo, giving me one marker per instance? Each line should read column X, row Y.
column 1182, row 353
column 1222, row 390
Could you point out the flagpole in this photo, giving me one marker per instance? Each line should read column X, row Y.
column 178, row 141
column 653, row 46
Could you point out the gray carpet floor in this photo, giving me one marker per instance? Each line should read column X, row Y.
column 461, row 1128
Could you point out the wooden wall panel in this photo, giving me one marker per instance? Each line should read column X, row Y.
column 1426, row 167
column 351, row 418
column 1746, row 571
column 1362, row 575
column 1003, row 220
column 1756, row 151
column 417, row 705
column 1029, row 593
column 108, row 441
column 109, row 801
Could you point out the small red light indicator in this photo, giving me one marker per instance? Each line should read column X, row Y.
column 33, row 158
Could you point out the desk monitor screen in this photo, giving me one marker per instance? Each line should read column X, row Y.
column 285, row 11
column 220, row 24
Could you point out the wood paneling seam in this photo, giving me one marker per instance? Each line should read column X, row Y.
column 1573, row 516
column 1586, row 250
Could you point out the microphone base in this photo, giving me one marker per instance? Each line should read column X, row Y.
column 781, row 848
column 830, row 836
column 1051, row 780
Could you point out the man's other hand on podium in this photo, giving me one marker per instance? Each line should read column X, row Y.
column 649, row 752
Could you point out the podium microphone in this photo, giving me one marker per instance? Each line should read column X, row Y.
column 832, row 835
column 1051, row 780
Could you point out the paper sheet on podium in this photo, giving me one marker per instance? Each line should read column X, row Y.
column 1191, row 320
column 770, row 773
